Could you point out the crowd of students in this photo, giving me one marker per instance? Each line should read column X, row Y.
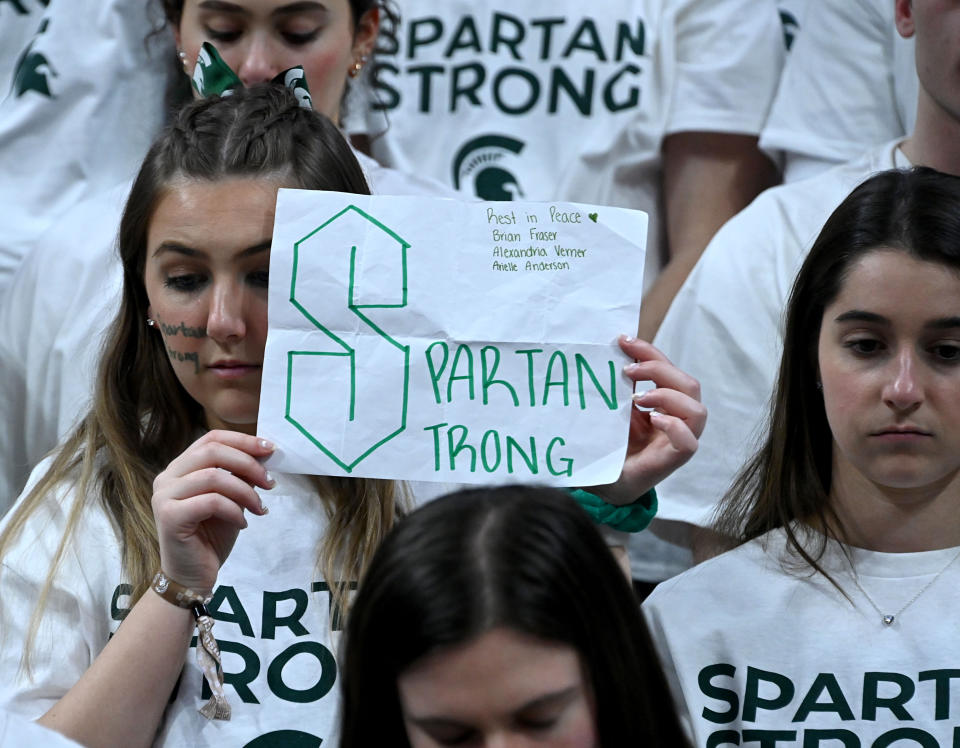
column 490, row 617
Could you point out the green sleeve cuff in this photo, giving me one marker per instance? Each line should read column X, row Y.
column 628, row 518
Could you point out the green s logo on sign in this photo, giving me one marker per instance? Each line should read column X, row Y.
column 375, row 279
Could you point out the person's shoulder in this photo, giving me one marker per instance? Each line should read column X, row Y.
column 42, row 520
column 722, row 577
column 80, row 241
column 792, row 214
column 387, row 181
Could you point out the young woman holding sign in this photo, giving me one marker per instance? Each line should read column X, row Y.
column 138, row 511
column 832, row 621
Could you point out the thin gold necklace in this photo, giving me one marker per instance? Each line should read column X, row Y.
column 888, row 618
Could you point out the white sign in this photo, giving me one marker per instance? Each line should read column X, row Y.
column 421, row 338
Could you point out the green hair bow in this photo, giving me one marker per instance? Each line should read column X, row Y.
column 213, row 77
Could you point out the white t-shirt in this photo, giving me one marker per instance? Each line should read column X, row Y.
column 849, row 84
column 549, row 100
column 271, row 607
column 92, row 102
column 19, row 21
column 53, row 320
column 763, row 656
column 724, row 326
column 16, row 731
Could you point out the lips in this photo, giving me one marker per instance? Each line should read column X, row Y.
column 229, row 368
column 902, row 432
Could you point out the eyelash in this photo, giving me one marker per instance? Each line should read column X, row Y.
column 186, row 283
column 292, row 38
column 858, row 346
column 191, row 282
column 946, row 353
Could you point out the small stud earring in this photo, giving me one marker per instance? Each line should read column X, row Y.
column 357, row 67
column 151, row 323
column 183, row 58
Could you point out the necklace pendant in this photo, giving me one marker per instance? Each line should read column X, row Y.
column 888, row 620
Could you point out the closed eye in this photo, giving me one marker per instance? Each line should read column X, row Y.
column 864, row 346
column 186, row 283
column 259, row 278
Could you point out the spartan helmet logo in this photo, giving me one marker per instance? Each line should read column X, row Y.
column 790, row 27
column 285, row 739
column 487, row 160
column 33, row 69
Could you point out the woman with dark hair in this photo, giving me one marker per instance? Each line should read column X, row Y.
column 500, row 615
column 830, row 619
column 133, row 517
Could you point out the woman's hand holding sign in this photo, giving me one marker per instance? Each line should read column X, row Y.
column 661, row 439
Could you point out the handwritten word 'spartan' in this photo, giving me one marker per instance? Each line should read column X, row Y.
column 430, row 339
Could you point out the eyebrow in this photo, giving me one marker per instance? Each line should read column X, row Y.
column 302, row 6
column 183, row 249
column 858, row 315
column 546, row 699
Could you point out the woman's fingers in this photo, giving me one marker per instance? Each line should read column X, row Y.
column 186, row 515
column 652, row 365
column 678, row 432
column 214, row 480
column 675, row 403
column 229, row 450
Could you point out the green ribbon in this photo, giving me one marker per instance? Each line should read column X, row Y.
column 629, row 518
column 214, row 77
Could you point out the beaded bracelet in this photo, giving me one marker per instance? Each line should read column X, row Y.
column 208, row 652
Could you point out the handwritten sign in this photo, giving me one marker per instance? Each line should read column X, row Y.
column 430, row 339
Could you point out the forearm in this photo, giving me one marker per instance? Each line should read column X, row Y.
column 121, row 697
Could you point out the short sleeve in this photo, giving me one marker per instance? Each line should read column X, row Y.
column 836, row 98
column 728, row 59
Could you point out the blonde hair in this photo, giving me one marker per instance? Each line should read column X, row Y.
column 141, row 417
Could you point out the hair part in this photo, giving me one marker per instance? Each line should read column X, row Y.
column 527, row 559
column 141, row 417
column 787, row 483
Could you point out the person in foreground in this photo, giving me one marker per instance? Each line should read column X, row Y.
column 140, row 511
column 832, row 621
column 499, row 617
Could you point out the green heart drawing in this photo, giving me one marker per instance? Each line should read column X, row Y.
column 592, row 217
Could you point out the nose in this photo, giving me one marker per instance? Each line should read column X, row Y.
column 903, row 392
column 257, row 64
column 225, row 318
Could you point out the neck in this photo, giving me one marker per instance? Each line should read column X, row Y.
column 896, row 520
column 935, row 141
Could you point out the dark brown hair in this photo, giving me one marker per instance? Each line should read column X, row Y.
column 527, row 559
column 915, row 211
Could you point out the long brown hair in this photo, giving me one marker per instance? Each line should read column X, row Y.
column 788, row 480
column 141, row 417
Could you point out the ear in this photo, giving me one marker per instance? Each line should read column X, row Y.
column 366, row 35
column 903, row 18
